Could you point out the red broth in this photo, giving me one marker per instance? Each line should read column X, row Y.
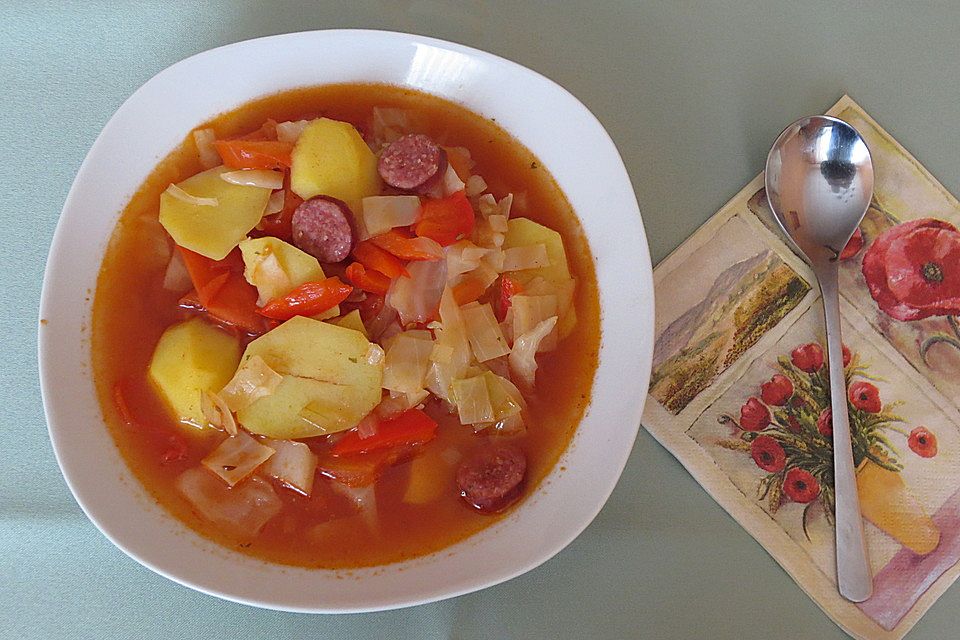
column 131, row 310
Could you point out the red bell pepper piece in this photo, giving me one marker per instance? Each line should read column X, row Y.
column 508, row 288
column 405, row 247
column 410, row 427
column 221, row 290
column 373, row 257
column 308, row 299
column 254, row 154
column 369, row 281
column 447, row 219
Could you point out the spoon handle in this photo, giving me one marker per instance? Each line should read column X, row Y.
column 853, row 570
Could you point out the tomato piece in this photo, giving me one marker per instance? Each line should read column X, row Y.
column 254, row 154
column 309, row 299
column 447, row 219
column 508, row 288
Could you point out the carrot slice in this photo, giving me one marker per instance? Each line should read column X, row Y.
column 468, row 290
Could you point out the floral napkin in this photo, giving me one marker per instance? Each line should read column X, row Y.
column 739, row 392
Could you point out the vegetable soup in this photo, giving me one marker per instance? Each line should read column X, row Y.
column 345, row 326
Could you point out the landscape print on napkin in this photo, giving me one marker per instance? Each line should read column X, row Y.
column 752, row 425
column 731, row 311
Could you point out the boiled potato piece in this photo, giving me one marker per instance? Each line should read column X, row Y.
column 332, row 378
column 190, row 358
column 351, row 321
column 522, row 232
column 331, row 159
column 276, row 267
column 212, row 231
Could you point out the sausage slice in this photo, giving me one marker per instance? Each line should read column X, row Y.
column 491, row 478
column 412, row 163
column 322, row 226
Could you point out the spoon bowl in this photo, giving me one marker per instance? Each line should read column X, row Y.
column 819, row 181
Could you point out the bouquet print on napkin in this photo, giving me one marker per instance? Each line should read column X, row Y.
column 740, row 394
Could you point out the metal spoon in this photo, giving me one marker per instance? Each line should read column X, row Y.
column 819, row 181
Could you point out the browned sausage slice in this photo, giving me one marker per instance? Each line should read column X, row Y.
column 412, row 163
column 322, row 227
column 491, row 478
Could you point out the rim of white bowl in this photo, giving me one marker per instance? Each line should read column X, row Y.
column 81, row 440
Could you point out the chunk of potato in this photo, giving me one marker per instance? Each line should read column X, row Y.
column 331, row 159
column 523, row 232
column 352, row 321
column 276, row 267
column 212, row 231
column 332, row 378
column 190, row 358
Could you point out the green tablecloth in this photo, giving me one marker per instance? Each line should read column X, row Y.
column 692, row 93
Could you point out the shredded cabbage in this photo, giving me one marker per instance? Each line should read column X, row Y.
column 176, row 278
column 379, row 214
column 523, row 358
column 204, row 139
column 178, row 193
column 241, row 511
column 475, row 185
column 237, row 457
column 263, row 178
column 293, row 464
column 505, row 205
column 483, row 332
column 529, row 311
column 473, row 400
column 253, row 380
column 498, row 223
column 531, row 256
column 451, row 181
column 275, row 203
column 415, row 298
column 290, row 131
column 364, row 499
column 390, row 123
column 463, row 256
column 488, row 205
column 451, row 340
column 217, row 413
column 407, row 361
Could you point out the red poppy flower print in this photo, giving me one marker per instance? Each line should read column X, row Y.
column 800, row 486
column 853, row 246
column 793, row 424
column 754, row 415
column 808, row 357
column 865, row 396
column 768, row 454
column 825, row 423
column 913, row 270
column 777, row 391
column 847, row 356
column 922, row 442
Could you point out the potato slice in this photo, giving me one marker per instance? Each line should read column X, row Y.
column 331, row 159
column 212, row 231
column 331, row 378
column 190, row 358
column 522, row 232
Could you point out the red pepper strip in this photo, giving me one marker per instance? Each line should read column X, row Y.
column 468, row 290
column 360, row 471
column 254, row 154
column 404, row 247
column 373, row 257
column 447, row 219
column 308, row 299
column 410, row 427
column 369, row 281
column 508, row 288
column 221, row 290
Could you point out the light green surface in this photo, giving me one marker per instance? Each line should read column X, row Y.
column 691, row 93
